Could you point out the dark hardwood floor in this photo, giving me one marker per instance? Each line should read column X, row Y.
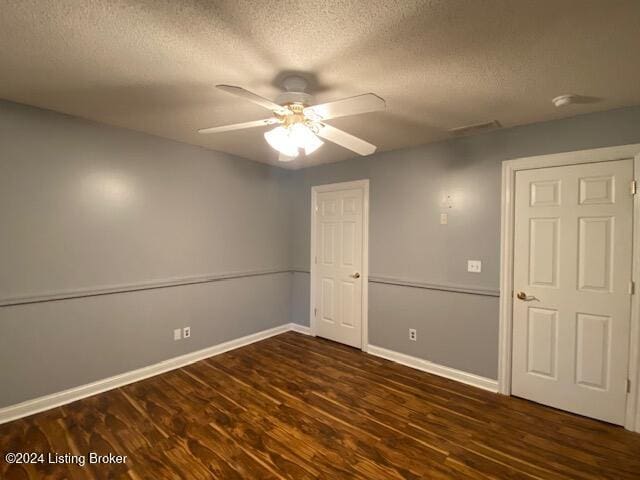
column 298, row 407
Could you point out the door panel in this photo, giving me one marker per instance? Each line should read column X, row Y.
column 348, row 294
column 338, row 264
column 595, row 240
column 545, row 194
column 348, row 241
column 592, row 353
column 328, row 243
column 543, row 252
column 327, row 299
column 572, row 260
column 542, row 342
column 596, row 190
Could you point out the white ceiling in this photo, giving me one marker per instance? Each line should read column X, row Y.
column 152, row 65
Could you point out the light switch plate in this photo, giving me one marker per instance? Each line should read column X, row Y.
column 177, row 334
column 474, row 266
column 444, row 219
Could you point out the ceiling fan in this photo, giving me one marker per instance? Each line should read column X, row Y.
column 300, row 124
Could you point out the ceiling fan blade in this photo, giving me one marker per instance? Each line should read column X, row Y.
column 252, row 97
column 239, row 126
column 368, row 102
column 345, row 140
column 285, row 158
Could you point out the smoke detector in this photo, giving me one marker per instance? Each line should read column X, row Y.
column 564, row 100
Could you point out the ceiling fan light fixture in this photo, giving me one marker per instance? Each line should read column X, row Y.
column 290, row 138
column 303, row 137
column 279, row 138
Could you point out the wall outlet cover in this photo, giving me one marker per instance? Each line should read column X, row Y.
column 444, row 219
column 186, row 332
column 474, row 266
column 413, row 334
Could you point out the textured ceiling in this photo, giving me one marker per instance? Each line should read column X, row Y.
column 152, row 65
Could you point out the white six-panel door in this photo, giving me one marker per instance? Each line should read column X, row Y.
column 572, row 297
column 338, row 265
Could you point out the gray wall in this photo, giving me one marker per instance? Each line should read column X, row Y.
column 406, row 241
column 51, row 346
column 85, row 206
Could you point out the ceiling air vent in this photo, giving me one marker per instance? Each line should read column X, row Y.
column 476, row 128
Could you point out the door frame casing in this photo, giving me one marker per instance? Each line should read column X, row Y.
column 507, row 217
column 364, row 185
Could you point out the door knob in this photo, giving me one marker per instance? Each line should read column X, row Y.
column 356, row 275
column 524, row 296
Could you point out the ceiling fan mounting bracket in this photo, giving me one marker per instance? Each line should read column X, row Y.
column 295, row 91
column 295, row 83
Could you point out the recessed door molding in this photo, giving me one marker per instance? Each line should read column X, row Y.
column 547, row 193
column 364, row 273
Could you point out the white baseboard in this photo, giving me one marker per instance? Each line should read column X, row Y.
column 300, row 329
column 29, row 407
column 36, row 405
column 430, row 367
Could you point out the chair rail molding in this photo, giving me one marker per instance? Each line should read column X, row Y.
column 133, row 287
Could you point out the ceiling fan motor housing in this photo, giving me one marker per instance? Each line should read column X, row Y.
column 288, row 98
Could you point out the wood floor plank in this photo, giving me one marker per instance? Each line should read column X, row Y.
column 379, row 420
column 521, row 414
column 349, row 438
column 420, row 417
column 297, row 407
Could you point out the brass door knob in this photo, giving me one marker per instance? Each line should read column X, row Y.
column 526, row 298
column 356, row 275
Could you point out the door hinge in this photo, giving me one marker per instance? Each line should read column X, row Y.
column 628, row 385
column 632, row 287
column 315, row 312
column 634, row 187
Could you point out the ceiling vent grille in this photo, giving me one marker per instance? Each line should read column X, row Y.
column 475, row 128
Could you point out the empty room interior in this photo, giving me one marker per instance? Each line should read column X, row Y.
column 320, row 239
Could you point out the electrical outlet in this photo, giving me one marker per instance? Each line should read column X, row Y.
column 474, row 266
column 186, row 332
column 444, row 219
column 413, row 334
column 177, row 334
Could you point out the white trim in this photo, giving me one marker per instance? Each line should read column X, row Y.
column 364, row 185
column 509, row 169
column 406, row 282
column 440, row 370
column 53, row 400
column 47, row 402
column 295, row 327
column 632, row 420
